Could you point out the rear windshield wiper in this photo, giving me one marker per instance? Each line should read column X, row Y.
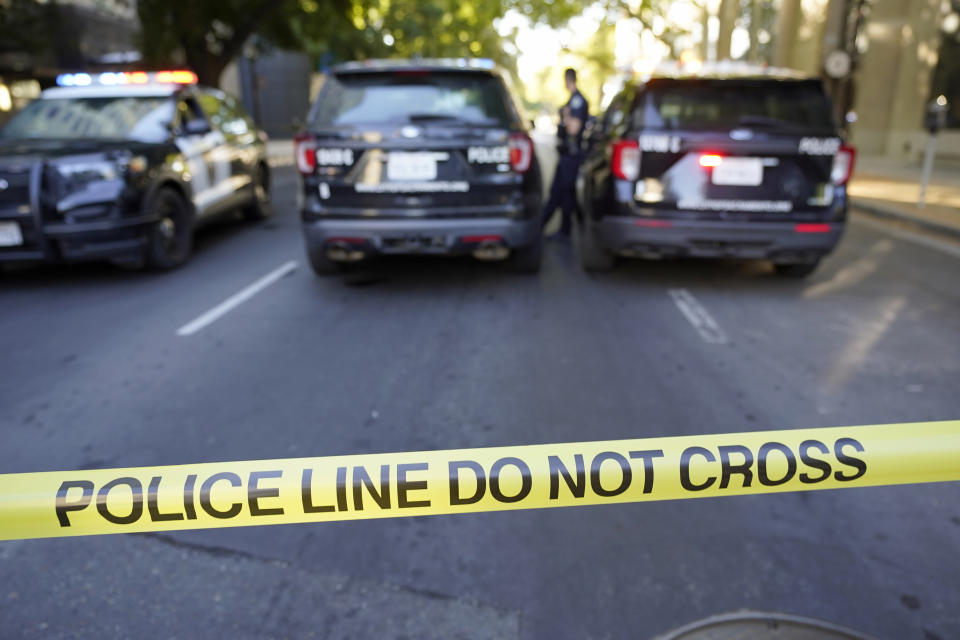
column 444, row 117
column 415, row 117
column 764, row 121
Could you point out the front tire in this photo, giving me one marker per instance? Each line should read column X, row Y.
column 593, row 257
column 170, row 240
column 260, row 208
column 323, row 266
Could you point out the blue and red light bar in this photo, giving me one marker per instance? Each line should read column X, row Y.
column 115, row 78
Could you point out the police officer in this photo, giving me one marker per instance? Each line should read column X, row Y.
column 573, row 116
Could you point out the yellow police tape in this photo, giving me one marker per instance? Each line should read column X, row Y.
column 196, row 496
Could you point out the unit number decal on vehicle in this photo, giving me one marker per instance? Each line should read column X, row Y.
column 334, row 157
column 659, row 143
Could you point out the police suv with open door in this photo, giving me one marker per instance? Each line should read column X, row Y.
column 418, row 157
column 122, row 166
column 731, row 162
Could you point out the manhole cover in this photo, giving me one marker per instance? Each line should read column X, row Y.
column 751, row 625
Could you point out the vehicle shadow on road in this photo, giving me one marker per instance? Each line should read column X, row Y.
column 426, row 272
column 430, row 273
column 700, row 273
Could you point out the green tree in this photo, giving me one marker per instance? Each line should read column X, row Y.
column 208, row 35
column 450, row 28
column 25, row 27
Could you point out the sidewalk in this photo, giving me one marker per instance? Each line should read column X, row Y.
column 890, row 189
column 280, row 152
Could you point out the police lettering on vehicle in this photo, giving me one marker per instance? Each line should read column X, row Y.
column 819, row 146
column 488, row 155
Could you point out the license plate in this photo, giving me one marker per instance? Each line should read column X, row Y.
column 10, row 235
column 740, row 172
column 411, row 166
column 413, row 243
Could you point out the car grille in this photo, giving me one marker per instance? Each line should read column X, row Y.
column 16, row 189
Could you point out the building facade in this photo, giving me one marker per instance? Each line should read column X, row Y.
column 39, row 40
column 902, row 55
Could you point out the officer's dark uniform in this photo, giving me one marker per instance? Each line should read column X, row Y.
column 562, row 192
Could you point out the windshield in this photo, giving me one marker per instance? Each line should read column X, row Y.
column 725, row 104
column 412, row 97
column 142, row 118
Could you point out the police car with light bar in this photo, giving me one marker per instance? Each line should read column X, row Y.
column 721, row 161
column 122, row 166
column 418, row 157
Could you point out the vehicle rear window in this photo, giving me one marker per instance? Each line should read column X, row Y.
column 725, row 104
column 403, row 97
column 144, row 118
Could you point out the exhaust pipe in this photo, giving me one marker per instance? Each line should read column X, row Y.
column 491, row 251
column 344, row 252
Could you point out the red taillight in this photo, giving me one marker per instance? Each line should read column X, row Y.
column 625, row 160
column 842, row 165
column 813, row 227
column 653, row 224
column 339, row 240
column 305, row 153
column 710, row 160
column 481, row 239
column 521, row 152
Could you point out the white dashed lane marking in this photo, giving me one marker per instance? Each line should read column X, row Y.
column 698, row 316
column 235, row 300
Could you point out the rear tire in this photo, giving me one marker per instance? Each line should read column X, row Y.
column 528, row 259
column 259, row 208
column 593, row 257
column 796, row 270
column 323, row 266
column 170, row 240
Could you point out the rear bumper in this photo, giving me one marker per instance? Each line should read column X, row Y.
column 424, row 235
column 781, row 241
column 78, row 242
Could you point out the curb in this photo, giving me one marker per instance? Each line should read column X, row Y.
column 892, row 213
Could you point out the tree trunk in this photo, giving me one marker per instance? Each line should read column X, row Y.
column 728, row 18
column 206, row 65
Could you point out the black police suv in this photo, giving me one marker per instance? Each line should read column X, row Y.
column 743, row 163
column 423, row 156
column 122, row 167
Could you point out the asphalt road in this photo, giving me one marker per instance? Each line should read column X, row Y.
column 425, row 354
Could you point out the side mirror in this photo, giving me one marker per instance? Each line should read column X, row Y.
column 196, row 127
column 296, row 125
